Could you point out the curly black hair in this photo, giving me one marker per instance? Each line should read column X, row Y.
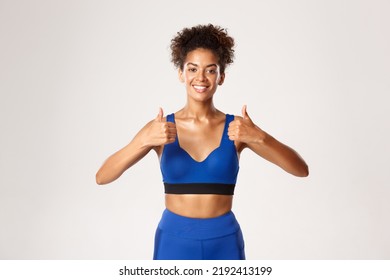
column 214, row 38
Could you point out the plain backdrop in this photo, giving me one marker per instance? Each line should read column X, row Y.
column 78, row 79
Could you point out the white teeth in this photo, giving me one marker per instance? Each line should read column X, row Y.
column 200, row 87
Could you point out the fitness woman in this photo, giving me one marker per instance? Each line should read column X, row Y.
column 199, row 149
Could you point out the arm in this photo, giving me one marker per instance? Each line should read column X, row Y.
column 154, row 134
column 247, row 134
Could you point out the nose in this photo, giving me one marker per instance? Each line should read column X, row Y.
column 200, row 76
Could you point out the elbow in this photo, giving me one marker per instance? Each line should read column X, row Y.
column 301, row 171
column 305, row 171
column 104, row 178
column 99, row 179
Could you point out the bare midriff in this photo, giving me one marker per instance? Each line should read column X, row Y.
column 199, row 205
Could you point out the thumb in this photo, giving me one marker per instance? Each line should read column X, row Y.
column 245, row 113
column 160, row 115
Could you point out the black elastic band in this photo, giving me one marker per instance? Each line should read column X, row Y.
column 199, row 188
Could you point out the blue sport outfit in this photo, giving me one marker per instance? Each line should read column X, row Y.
column 183, row 238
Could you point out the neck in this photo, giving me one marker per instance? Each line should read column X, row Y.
column 199, row 110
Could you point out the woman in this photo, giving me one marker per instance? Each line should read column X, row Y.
column 199, row 149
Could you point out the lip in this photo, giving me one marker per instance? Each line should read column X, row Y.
column 200, row 88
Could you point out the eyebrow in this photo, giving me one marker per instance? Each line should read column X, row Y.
column 194, row 64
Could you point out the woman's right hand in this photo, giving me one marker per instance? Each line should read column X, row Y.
column 159, row 132
column 153, row 135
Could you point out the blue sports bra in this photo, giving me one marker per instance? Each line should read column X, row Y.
column 217, row 174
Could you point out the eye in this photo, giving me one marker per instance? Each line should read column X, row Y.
column 192, row 69
column 212, row 71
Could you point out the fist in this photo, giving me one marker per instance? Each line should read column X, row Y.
column 161, row 132
column 243, row 129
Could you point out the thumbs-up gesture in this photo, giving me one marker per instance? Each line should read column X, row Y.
column 242, row 129
column 160, row 115
column 160, row 132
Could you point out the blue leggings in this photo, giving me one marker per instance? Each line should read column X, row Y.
column 183, row 238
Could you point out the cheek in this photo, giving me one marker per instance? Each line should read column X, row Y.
column 184, row 78
column 188, row 77
column 215, row 79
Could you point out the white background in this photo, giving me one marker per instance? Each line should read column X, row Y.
column 79, row 78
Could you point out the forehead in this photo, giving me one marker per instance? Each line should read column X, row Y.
column 201, row 57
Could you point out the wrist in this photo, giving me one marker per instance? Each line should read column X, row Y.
column 141, row 142
column 260, row 135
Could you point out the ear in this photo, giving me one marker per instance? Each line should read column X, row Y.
column 181, row 76
column 221, row 79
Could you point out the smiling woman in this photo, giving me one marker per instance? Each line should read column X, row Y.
column 199, row 148
column 201, row 74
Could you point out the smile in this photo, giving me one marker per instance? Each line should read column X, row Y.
column 200, row 88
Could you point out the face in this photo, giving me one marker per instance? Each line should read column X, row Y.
column 201, row 74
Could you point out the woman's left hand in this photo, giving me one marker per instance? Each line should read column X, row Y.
column 244, row 130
